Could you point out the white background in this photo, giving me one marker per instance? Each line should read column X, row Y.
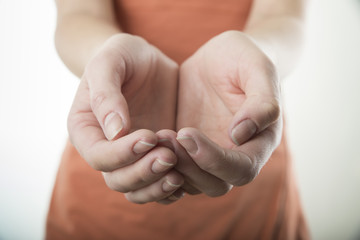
column 322, row 104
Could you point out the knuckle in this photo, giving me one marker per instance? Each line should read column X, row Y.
column 272, row 111
column 95, row 161
column 215, row 163
column 144, row 178
column 95, row 165
column 211, row 166
column 247, row 173
column 246, row 177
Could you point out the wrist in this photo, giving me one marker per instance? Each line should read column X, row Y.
column 281, row 38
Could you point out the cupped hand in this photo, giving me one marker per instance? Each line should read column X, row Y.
column 229, row 114
column 128, row 86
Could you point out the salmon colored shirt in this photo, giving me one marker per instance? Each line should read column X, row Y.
column 83, row 207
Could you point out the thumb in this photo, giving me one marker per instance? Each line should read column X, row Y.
column 106, row 99
column 253, row 117
column 260, row 109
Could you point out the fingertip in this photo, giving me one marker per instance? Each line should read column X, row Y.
column 142, row 146
column 166, row 142
column 172, row 181
column 243, row 131
column 146, row 141
column 113, row 125
column 164, row 160
column 186, row 139
column 188, row 143
column 160, row 166
column 177, row 195
column 166, row 138
column 166, row 133
column 188, row 131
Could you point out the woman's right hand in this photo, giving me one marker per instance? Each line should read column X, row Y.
column 128, row 86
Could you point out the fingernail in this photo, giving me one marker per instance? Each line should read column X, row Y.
column 188, row 143
column 142, row 146
column 160, row 166
column 166, row 143
column 177, row 195
column 243, row 131
column 113, row 125
column 169, row 186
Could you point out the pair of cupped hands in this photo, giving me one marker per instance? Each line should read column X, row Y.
column 157, row 130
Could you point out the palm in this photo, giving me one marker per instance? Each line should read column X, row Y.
column 147, row 80
column 129, row 85
column 151, row 99
column 228, row 90
column 210, row 92
column 204, row 106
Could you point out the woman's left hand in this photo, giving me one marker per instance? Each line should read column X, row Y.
column 229, row 113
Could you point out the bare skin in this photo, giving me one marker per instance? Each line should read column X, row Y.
column 229, row 94
column 233, row 79
column 125, row 82
column 228, row 114
column 127, row 73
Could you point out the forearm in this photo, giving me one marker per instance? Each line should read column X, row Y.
column 277, row 27
column 78, row 36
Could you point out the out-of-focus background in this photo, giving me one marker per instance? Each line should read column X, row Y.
column 323, row 110
column 322, row 103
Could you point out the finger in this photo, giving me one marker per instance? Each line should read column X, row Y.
column 164, row 141
column 88, row 138
column 104, row 77
column 262, row 104
column 107, row 156
column 260, row 148
column 196, row 178
column 157, row 191
column 147, row 170
column 190, row 189
column 234, row 167
column 177, row 195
